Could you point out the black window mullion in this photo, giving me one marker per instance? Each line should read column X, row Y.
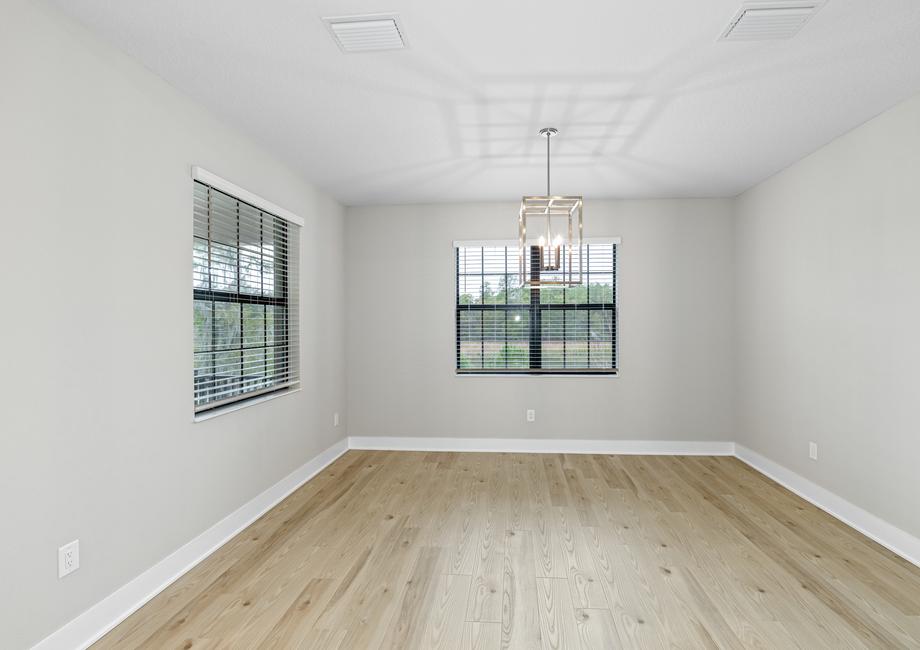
column 262, row 292
column 536, row 351
column 282, row 331
column 587, row 273
column 564, row 334
column 245, row 298
column 505, row 282
column 239, row 287
column 457, row 310
column 543, row 306
column 213, row 304
column 482, row 300
column 614, row 315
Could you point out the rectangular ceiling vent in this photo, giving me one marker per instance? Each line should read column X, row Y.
column 758, row 21
column 367, row 33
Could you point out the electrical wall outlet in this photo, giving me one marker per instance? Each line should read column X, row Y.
column 531, row 415
column 813, row 450
column 335, row 419
column 68, row 558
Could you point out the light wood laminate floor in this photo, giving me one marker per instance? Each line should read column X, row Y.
column 443, row 550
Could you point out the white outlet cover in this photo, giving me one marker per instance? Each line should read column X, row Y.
column 813, row 450
column 68, row 558
column 531, row 415
column 335, row 420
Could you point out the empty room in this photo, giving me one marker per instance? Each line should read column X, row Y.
column 348, row 324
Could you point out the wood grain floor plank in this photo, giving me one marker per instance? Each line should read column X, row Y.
column 481, row 636
column 485, row 597
column 581, row 572
column 860, row 622
column 445, row 619
column 294, row 626
column 415, row 550
column 596, row 629
column 520, row 605
column 557, row 615
column 408, row 625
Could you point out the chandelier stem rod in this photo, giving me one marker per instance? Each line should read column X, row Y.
column 547, row 165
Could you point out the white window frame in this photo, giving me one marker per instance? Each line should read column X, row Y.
column 221, row 184
column 524, row 374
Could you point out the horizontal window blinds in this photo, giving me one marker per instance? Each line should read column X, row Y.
column 245, row 292
column 503, row 327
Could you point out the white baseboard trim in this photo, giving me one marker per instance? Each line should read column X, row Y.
column 544, row 446
column 99, row 619
column 91, row 625
column 891, row 537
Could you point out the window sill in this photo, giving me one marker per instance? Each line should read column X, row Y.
column 584, row 375
column 236, row 406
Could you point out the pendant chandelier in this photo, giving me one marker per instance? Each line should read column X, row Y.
column 549, row 251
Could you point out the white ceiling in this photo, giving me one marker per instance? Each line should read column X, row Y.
column 648, row 103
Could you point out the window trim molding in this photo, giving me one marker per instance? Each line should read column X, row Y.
column 523, row 373
column 514, row 243
column 205, row 177
column 532, row 372
column 222, row 184
column 223, row 409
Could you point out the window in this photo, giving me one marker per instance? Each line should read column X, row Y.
column 505, row 328
column 245, row 299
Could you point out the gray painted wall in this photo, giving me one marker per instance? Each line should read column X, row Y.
column 97, row 441
column 675, row 318
column 786, row 315
column 827, row 259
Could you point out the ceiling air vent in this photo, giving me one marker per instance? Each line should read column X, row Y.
column 367, row 33
column 757, row 21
